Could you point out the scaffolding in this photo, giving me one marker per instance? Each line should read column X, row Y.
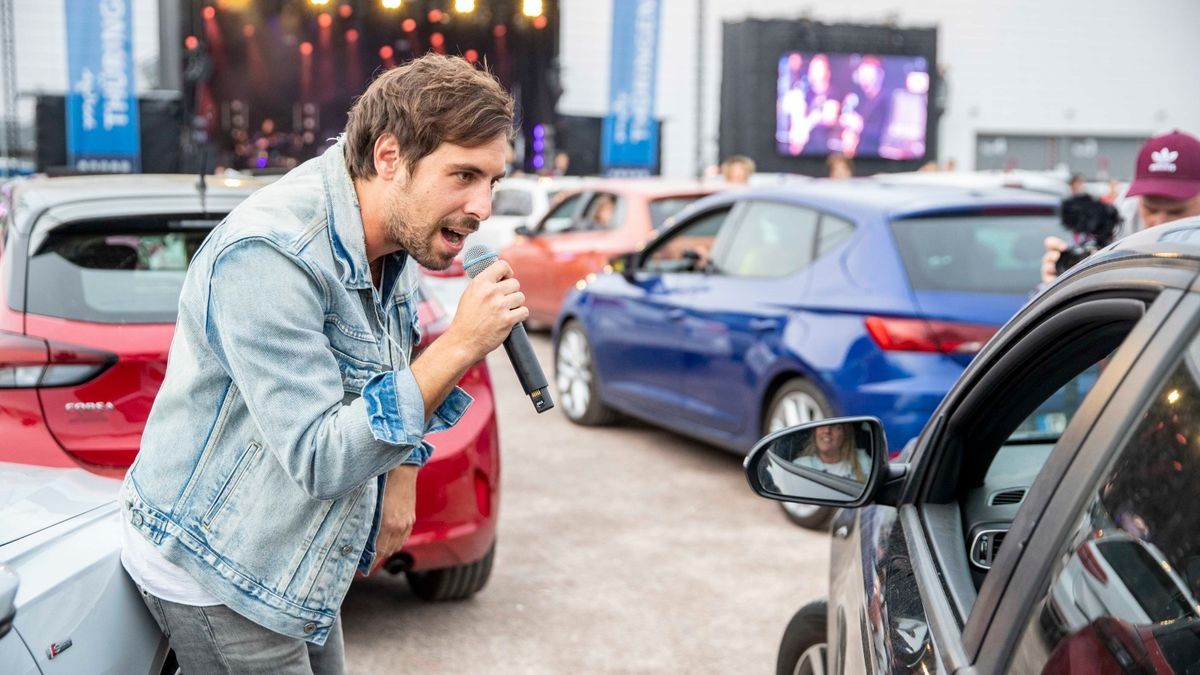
column 8, row 89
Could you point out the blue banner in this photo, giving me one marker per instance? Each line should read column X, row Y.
column 630, row 138
column 102, row 113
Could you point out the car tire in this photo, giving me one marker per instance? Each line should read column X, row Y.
column 802, row 650
column 452, row 583
column 796, row 402
column 575, row 378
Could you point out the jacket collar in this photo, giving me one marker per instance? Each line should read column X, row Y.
column 345, row 222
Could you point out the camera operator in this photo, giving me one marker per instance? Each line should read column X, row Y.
column 1167, row 184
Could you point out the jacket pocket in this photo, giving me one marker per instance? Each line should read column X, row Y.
column 244, row 463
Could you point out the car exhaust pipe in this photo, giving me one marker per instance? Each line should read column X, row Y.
column 401, row 562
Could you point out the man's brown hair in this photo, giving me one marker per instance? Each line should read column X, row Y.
column 424, row 103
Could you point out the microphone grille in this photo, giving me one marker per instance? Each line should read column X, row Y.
column 477, row 258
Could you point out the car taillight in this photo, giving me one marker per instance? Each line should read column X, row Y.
column 922, row 335
column 27, row 362
column 1088, row 559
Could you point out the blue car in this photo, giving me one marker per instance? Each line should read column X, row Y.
column 766, row 308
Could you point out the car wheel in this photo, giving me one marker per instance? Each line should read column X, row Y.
column 575, row 375
column 802, row 650
column 452, row 583
column 797, row 402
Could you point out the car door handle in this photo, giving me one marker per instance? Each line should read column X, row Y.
column 762, row 325
column 675, row 314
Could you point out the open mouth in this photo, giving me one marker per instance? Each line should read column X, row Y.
column 454, row 237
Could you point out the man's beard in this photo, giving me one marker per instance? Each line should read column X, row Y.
column 420, row 243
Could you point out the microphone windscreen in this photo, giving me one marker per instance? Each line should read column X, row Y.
column 478, row 258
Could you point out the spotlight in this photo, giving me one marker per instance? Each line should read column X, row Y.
column 191, row 42
column 435, row 16
column 352, row 35
column 540, row 22
column 209, row 13
column 386, row 52
column 390, row 4
column 409, row 25
column 248, row 30
column 471, row 56
column 464, row 6
column 531, row 8
column 305, row 48
column 437, row 39
column 318, row 3
column 500, row 31
column 325, row 21
column 345, row 11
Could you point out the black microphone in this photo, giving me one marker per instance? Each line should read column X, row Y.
column 475, row 260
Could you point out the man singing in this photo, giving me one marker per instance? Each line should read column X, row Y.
column 281, row 453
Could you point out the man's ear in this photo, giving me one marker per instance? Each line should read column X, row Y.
column 386, row 155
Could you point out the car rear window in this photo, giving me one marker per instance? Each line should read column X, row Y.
column 508, row 202
column 661, row 209
column 116, row 270
column 975, row 253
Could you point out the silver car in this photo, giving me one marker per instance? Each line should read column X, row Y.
column 66, row 604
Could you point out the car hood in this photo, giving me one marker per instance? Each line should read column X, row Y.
column 33, row 498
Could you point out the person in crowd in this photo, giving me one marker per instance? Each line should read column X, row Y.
column 830, row 448
column 602, row 212
column 1077, row 185
column 280, row 456
column 737, row 169
column 839, row 166
column 1166, row 182
column 1114, row 192
column 562, row 163
column 950, row 165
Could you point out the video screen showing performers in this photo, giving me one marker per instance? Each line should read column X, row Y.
column 861, row 105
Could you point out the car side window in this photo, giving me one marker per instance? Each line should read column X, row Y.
column 510, row 202
column 771, row 240
column 1128, row 577
column 833, row 231
column 605, row 211
column 690, row 248
column 562, row 217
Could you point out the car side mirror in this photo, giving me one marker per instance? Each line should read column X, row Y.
column 833, row 462
column 625, row 265
column 523, row 231
column 8, row 599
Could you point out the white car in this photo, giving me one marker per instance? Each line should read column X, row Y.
column 515, row 202
column 66, row 604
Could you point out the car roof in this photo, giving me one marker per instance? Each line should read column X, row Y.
column 651, row 187
column 1175, row 240
column 42, row 193
column 863, row 198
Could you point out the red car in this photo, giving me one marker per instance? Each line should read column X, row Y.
column 90, row 274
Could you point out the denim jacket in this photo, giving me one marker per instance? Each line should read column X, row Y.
column 284, row 405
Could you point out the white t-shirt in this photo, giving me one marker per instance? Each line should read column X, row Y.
column 156, row 574
column 842, row 469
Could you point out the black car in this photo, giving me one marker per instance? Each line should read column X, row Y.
column 1047, row 519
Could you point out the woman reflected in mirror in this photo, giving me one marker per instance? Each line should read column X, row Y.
column 830, row 448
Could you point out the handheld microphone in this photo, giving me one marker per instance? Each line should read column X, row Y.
column 475, row 260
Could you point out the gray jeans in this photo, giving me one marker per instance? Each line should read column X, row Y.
column 218, row 640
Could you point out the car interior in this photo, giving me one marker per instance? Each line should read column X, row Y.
column 997, row 441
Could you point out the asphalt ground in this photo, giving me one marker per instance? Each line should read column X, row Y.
column 623, row 549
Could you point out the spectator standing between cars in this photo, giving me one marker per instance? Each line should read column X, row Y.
column 281, row 453
column 839, row 165
column 1077, row 185
column 737, row 170
column 1166, row 182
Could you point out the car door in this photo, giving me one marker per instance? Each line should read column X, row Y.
column 736, row 315
column 533, row 257
column 638, row 329
column 980, row 475
column 588, row 245
column 1111, row 575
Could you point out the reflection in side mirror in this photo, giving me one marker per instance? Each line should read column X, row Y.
column 833, row 462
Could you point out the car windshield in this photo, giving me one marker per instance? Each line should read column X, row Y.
column 976, row 253
column 120, row 270
column 661, row 209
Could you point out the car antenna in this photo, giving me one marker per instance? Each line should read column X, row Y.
column 201, row 184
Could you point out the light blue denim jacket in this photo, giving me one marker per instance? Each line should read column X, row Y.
column 284, row 405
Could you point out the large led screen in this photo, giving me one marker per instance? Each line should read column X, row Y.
column 861, row 105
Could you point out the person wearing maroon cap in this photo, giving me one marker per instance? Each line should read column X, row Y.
column 1166, row 182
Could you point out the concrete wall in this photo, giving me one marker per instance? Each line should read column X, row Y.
column 1105, row 67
